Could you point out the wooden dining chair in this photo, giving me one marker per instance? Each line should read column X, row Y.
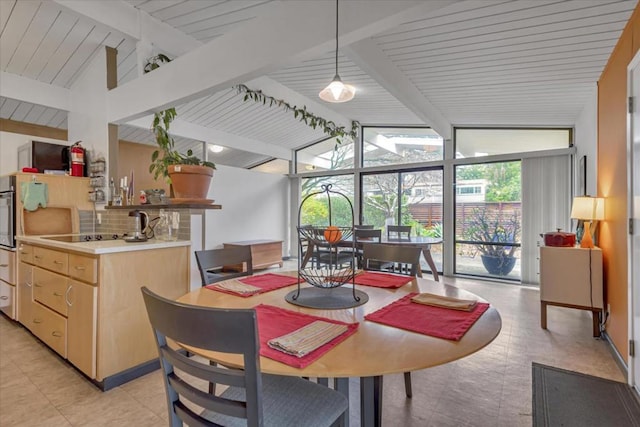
column 216, row 265
column 399, row 232
column 251, row 399
column 364, row 235
column 405, row 260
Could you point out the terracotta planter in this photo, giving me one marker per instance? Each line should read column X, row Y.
column 190, row 181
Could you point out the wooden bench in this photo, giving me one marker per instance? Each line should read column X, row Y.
column 264, row 253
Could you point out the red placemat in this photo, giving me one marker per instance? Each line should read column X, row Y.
column 266, row 282
column 274, row 322
column 381, row 280
column 428, row 320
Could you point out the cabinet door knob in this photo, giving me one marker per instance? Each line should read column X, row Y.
column 4, row 297
column 56, row 294
column 58, row 262
column 56, row 334
column 37, row 285
column 37, row 320
column 80, row 267
column 4, row 265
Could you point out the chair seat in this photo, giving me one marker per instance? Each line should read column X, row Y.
column 288, row 402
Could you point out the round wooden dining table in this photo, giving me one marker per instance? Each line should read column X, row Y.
column 373, row 351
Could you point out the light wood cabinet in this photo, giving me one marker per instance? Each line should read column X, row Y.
column 89, row 308
column 25, row 294
column 8, row 282
column 58, row 309
column 81, row 326
column 264, row 253
column 571, row 277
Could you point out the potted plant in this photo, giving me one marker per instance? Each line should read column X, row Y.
column 492, row 236
column 189, row 176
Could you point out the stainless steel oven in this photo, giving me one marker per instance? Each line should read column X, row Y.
column 7, row 211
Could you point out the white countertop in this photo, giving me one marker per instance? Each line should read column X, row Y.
column 103, row 246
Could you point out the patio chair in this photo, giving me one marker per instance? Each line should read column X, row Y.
column 252, row 399
column 399, row 232
column 405, row 260
column 216, row 265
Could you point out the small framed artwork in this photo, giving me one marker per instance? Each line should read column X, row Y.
column 582, row 176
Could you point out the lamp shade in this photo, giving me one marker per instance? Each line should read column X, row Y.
column 588, row 208
column 337, row 91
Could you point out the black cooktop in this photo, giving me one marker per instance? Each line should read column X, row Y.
column 78, row 238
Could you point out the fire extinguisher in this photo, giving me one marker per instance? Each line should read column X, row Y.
column 77, row 159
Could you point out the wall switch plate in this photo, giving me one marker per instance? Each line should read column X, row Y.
column 99, row 218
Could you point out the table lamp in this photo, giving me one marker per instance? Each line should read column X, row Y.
column 587, row 209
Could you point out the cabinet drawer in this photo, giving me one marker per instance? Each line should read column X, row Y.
column 50, row 289
column 8, row 266
column 83, row 268
column 51, row 328
column 51, row 260
column 8, row 299
column 26, row 253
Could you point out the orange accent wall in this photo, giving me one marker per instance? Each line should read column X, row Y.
column 612, row 180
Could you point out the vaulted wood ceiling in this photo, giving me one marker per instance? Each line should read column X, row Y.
column 471, row 62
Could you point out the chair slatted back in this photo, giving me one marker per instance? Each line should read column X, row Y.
column 228, row 331
column 399, row 232
column 367, row 235
column 394, row 258
column 211, row 260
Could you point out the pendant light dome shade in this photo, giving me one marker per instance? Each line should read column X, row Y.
column 337, row 91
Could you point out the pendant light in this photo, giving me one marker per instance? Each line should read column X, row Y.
column 337, row 91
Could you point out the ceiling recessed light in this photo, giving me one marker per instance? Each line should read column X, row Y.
column 215, row 148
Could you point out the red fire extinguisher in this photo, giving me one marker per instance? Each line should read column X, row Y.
column 77, row 159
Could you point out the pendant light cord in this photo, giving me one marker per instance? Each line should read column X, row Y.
column 336, row 37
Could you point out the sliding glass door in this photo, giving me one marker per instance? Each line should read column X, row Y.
column 488, row 219
column 405, row 198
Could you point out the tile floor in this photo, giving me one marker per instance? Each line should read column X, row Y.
column 489, row 388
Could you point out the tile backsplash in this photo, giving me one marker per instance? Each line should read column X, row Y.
column 119, row 222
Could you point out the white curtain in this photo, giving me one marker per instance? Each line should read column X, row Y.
column 546, row 206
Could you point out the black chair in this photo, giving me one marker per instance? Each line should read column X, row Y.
column 405, row 260
column 363, row 235
column 252, row 399
column 211, row 263
column 399, row 232
column 363, row 226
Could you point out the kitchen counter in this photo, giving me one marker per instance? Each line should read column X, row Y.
column 103, row 246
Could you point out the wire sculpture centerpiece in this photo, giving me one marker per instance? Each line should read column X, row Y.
column 326, row 261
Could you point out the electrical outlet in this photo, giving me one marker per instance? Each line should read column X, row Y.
column 99, row 218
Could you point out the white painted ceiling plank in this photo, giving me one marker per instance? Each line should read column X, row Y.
column 72, row 41
column 157, row 5
column 80, row 57
column 21, row 112
column 216, row 15
column 60, row 28
column 47, row 115
column 22, row 14
column 6, row 9
column 35, row 114
column 8, row 107
column 32, row 38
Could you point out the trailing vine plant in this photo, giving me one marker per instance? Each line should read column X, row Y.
column 328, row 127
column 160, row 127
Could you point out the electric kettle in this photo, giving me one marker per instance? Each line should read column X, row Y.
column 140, row 221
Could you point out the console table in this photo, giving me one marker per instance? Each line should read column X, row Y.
column 571, row 277
column 264, row 253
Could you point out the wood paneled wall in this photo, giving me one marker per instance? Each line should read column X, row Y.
column 612, row 180
column 137, row 158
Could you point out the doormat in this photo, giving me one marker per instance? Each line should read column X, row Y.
column 567, row 398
